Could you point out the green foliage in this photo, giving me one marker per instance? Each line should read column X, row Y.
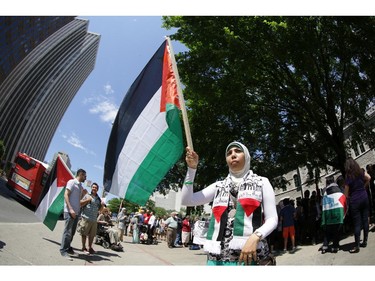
column 284, row 86
column 115, row 205
column 160, row 212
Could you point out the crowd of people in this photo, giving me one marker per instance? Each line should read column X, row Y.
column 234, row 234
column 344, row 206
column 144, row 227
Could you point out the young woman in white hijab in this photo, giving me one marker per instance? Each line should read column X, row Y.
column 243, row 210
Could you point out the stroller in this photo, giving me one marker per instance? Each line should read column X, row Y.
column 145, row 237
column 102, row 238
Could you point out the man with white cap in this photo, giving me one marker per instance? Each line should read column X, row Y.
column 121, row 217
column 171, row 225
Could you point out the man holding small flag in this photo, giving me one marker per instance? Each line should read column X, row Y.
column 146, row 139
column 74, row 192
column 51, row 203
column 56, row 199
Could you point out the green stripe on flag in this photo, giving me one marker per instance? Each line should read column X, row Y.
column 239, row 221
column 333, row 216
column 162, row 156
column 55, row 210
column 211, row 228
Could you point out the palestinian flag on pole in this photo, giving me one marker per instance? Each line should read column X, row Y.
column 146, row 139
column 334, row 206
column 51, row 205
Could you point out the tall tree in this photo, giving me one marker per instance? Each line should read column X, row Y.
column 285, row 86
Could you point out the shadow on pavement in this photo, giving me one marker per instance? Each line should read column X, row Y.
column 346, row 247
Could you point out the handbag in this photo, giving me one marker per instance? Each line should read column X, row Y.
column 264, row 257
column 270, row 260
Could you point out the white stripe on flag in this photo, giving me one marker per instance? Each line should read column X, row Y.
column 146, row 131
column 48, row 199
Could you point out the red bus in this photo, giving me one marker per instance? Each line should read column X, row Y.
column 27, row 177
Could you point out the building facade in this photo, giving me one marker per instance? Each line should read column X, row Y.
column 361, row 152
column 172, row 201
column 40, row 75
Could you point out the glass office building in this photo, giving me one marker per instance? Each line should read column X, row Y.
column 43, row 63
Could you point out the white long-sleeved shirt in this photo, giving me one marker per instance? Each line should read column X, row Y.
column 206, row 195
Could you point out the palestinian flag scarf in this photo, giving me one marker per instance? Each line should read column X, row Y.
column 247, row 198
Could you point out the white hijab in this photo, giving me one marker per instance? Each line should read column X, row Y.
column 240, row 174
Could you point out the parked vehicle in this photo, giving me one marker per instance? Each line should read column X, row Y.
column 27, row 177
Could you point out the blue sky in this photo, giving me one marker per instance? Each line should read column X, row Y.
column 127, row 43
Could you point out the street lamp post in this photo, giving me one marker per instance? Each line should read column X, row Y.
column 299, row 181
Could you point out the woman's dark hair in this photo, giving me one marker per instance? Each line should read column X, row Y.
column 352, row 169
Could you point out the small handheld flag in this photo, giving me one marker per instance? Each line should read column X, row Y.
column 51, row 205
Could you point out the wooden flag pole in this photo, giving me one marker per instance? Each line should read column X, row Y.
column 180, row 96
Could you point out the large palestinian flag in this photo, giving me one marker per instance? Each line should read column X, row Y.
column 146, row 139
column 51, row 205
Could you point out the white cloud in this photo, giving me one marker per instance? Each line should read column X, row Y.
column 103, row 105
column 99, row 167
column 108, row 89
column 107, row 110
column 75, row 141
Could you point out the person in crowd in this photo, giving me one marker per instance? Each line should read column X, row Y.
column 314, row 217
column 355, row 182
column 305, row 228
column 104, row 220
column 163, row 231
column 299, row 221
column 130, row 226
column 91, row 204
column 171, row 226
column 122, row 218
column 347, row 226
column 186, row 231
column 178, row 241
column 273, row 239
column 134, row 222
column 334, row 210
column 236, row 231
column 287, row 216
column 371, row 195
column 72, row 196
column 151, row 228
column 146, row 217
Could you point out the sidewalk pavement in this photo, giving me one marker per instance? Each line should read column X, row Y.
column 34, row 244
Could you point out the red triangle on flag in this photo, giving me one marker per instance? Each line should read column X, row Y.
column 217, row 211
column 249, row 205
column 342, row 200
column 63, row 174
column 169, row 83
